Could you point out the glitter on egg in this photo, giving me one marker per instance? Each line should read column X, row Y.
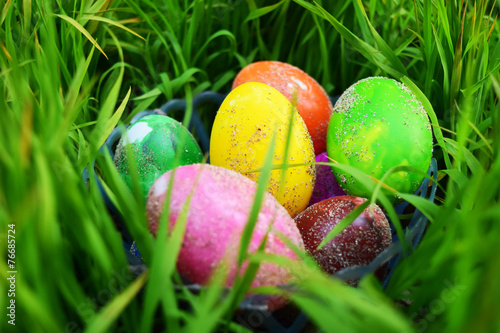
column 382, row 141
column 261, row 112
column 305, row 93
column 358, row 244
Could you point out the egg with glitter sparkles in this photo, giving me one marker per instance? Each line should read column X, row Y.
column 358, row 244
column 242, row 133
column 311, row 100
column 218, row 202
column 152, row 142
column 378, row 124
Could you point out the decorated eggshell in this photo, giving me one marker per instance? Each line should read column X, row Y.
column 378, row 124
column 326, row 185
column 298, row 87
column 358, row 244
column 153, row 141
column 241, row 137
column 218, row 212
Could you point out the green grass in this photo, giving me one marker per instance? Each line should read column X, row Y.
column 71, row 71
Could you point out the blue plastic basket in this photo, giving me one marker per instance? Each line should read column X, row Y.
column 253, row 311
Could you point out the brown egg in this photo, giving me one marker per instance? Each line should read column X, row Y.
column 358, row 244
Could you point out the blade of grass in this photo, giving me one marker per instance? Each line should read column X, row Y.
column 432, row 116
column 104, row 320
column 344, row 223
column 386, row 50
column 111, row 22
column 255, row 13
column 370, row 53
column 264, row 177
column 79, row 27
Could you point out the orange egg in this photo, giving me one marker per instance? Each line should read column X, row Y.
column 298, row 87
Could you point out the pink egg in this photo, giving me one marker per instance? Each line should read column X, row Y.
column 218, row 212
column 326, row 185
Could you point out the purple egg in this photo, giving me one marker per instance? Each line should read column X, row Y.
column 326, row 186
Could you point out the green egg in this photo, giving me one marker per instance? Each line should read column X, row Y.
column 378, row 124
column 152, row 141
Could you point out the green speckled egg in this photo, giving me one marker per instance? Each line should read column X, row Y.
column 153, row 141
column 377, row 124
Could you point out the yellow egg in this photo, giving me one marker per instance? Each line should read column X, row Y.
column 241, row 137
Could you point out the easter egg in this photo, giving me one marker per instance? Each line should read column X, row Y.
column 242, row 133
column 326, row 185
column 152, row 142
column 298, row 87
column 218, row 211
column 378, row 124
column 358, row 244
